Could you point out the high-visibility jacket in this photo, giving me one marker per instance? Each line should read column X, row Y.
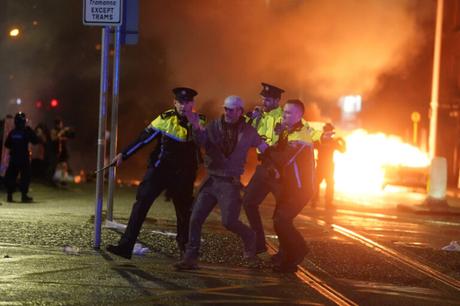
column 266, row 123
column 292, row 157
column 176, row 147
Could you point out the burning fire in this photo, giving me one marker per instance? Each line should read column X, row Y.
column 361, row 168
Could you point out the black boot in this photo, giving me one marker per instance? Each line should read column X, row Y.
column 26, row 199
column 9, row 198
column 120, row 251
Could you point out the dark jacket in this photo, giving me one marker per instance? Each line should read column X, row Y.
column 216, row 161
column 176, row 148
column 18, row 142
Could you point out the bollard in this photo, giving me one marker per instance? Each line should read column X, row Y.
column 437, row 185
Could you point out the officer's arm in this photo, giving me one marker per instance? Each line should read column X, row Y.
column 147, row 135
column 341, row 145
column 259, row 142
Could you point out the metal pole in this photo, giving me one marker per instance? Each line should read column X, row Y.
column 101, row 136
column 114, row 123
column 435, row 82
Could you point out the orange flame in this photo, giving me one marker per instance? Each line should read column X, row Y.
column 360, row 169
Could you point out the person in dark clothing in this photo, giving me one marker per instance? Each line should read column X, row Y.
column 172, row 167
column 287, row 171
column 325, row 166
column 40, row 153
column 18, row 143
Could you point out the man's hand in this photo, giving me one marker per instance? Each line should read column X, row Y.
column 194, row 120
column 256, row 113
column 117, row 160
column 273, row 172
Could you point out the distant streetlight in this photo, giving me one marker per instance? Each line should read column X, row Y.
column 14, row 32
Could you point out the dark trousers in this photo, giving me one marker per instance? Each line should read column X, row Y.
column 325, row 173
column 289, row 203
column 291, row 241
column 179, row 186
column 23, row 169
column 224, row 191
column 258, row 188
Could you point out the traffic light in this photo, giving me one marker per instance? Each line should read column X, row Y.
column 54, row 103
column 38, row 104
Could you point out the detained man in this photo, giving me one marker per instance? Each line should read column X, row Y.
column 226, row 142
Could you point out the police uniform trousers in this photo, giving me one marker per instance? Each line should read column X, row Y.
column 226, row 192
column 289, row 203
column 259, row 186
column 14, row 168
column 325, row 171
column 179, row 185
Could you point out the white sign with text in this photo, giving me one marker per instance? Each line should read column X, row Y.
column 102, row 12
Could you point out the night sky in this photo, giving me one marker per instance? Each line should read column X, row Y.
column 317, row 50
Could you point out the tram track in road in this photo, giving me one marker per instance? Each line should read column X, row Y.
column 318, row 284
column 426, row 270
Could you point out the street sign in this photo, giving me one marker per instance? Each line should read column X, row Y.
column 102, row 12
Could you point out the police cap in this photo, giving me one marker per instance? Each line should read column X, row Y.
column 328, row 127
column 184, row 94
column 271, row 91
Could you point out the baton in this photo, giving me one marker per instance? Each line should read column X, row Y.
column 106, row 167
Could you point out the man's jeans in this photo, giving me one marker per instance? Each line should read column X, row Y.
column 226, row 192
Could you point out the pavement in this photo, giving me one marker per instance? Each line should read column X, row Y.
column 47, row 258
column 450, row 205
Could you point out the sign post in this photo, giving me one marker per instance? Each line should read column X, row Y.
column 104, row 13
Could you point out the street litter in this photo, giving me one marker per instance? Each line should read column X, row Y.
column 452, row 246
column 70, row 250
column 114, row 225
column 140, row 250
column 171, row 234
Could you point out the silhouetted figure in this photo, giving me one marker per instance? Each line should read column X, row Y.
column 59, row 153
column 325, row 165
column 18, row 143
column 40, row 152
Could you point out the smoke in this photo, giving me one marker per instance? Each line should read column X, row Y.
column 313, row 49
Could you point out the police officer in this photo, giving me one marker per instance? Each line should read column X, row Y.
column 325, row 165
column 264, row 119
column 18, row 142
column 288, row 170
column 172, row 167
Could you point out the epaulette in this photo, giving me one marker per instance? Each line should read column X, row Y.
column 168, row 114
column 203, row 117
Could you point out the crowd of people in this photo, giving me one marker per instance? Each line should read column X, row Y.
column 285, row 144
column 38, row 153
